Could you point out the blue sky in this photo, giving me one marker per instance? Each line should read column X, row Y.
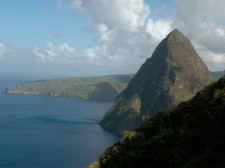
column 60, row 38
column 33, row 22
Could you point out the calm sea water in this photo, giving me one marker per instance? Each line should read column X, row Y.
column 45, row 132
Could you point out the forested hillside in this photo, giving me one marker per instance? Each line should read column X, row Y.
column 192, row 135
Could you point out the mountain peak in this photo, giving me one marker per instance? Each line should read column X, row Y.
column 177, row 36
column 175, row 32
column 173, row 73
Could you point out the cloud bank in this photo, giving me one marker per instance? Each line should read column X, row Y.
column 123, row 30
column 126, row 32
column 52, row 53
column 3, row 50
column 203, row 21
column 127, row 29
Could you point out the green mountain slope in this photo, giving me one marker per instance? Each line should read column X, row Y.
column 174, row 73
column 103, row 88
column 192, row 135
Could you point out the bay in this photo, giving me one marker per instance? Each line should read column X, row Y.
column 45, row 132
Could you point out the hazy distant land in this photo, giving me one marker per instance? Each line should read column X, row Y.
column 217, row 74
column 101, row 88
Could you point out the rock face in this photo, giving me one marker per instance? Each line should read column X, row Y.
column 174, row 73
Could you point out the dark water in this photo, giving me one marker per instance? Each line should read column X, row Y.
column 40, row 131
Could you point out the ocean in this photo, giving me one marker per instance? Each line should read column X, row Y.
column 51, row 132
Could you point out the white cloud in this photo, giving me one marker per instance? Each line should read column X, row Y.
column 126, row 33
column 128, row 15
column 3, row 50
column 159, row 29
column 126, row 29
column 122, row 41
column 123, row 29
column 90, row 55
column 214, row 61
column 203, row 21
column 99, row 56
column 76, row 4
column 220, row 32
column 52, row 53
column 102, row 32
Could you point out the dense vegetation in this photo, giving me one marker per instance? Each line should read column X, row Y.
column 103, row 88
column 191, row 135
column 174, row 73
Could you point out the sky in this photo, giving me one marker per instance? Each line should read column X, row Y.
column 45, row 39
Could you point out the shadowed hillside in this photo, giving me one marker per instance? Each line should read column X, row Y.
column 192, row 135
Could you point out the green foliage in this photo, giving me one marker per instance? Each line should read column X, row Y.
column 191, row 135
column 126, row 133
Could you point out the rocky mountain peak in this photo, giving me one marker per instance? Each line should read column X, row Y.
column 173, row 73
